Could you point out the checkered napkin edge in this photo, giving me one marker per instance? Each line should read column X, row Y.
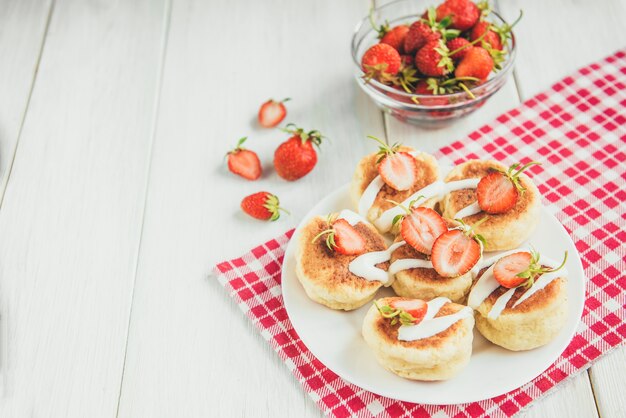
column 578, row 128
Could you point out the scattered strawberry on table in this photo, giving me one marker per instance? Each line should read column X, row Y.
column 272, row 113
column 342, row 238
column 262, row 205
column 450, row 48
column 243, row 162
column 296, row 157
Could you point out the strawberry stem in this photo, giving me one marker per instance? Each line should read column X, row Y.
column 396, row 315
column 314, row 135
column 384, row 149
column 272, row 204
column 468, row 91
column 535, row 269
column 468, row 45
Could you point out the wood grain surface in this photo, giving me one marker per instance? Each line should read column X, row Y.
column 114, row 121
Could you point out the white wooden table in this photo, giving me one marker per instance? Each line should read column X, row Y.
column 114, row 120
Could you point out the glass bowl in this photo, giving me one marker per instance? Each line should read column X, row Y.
column 432, row 110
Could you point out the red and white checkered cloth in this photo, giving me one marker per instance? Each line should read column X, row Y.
column 578, row 129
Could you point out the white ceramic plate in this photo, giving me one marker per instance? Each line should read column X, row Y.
column 334, row 337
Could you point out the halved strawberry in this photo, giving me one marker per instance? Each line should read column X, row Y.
column 398, row 170
column 244, row 162
column 498, row 191
column 421, row 228
column 348, row 241
column 454, row 253
column 272, row 113
column 506, row 269
column 417, row 308
column 342, row 238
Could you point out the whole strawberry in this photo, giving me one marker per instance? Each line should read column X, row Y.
column 458, row 48
column 418, row 35
column 243, row 162
column 489, row 37
column 381, row 61
column 395, row 37
column 296, row 157
column 262, row 205
column 432, row 59
column 476, row 63
column 463, row 13
column 495, row 36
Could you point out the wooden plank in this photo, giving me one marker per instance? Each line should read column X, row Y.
column 23, row 27
column 557, row 37
column 190, row 350
column 71, row 219
column 573, row 398
column 609, row 385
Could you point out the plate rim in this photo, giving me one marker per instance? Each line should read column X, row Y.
column 290, row 252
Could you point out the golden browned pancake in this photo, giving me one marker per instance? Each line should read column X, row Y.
column 532, row 323
column 502, row 231
column 324, row 274
column 367, row 170
column 437, row 357
column 426, row 283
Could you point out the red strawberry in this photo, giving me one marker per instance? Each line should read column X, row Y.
column 477, row 63
column 490, row 37
column 432, row 60
column 421, row 228
column 417, row 308
column 455, row 45
column 398, row 170
column 418, row 35
column 381, row 61
column 348, row 241
column 407, row 60
column 395, row 37
column 507, row 268
column 262, row 205
column 244, row 162
column 296, row 157
column 464, row 13
column 272, row 113
column 342, row 238
column 423, row 87
column 454, row 253
column 498, row 191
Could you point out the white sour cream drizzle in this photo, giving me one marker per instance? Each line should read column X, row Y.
column 470, row 210
column 365, row 265
column 436, row 189
column 408, row 263
column 487, row 283
column 430, row 325
column 369, row 195
column 352, row 218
